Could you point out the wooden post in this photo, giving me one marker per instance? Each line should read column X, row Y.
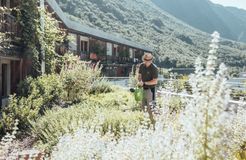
column 1, row 82
column 21, row 69
column 78, row 45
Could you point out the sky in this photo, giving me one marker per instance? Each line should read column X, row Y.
column 235, row 3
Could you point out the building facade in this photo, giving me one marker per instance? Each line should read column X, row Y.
column 12, row 64
column 116, row 54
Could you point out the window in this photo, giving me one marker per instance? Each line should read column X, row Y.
column 83, row 46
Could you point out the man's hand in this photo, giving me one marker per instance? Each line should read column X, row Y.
column 140, row 84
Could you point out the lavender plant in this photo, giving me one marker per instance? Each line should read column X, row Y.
column 133, row 77
column 206, row 121
column 7, row 149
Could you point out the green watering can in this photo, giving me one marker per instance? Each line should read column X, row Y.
column 138, row 94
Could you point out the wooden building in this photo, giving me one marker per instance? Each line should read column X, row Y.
column 116, row 54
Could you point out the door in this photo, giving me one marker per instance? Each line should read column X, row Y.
column 5, row 79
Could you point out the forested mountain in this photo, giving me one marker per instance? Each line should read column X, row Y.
column 175, row 43
column 207, row 16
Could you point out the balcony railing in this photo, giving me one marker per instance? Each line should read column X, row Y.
column 85, row 55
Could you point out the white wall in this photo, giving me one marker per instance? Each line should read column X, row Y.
column 72, row 42
column 109, row 49
column 131, row 53
column 117, row 53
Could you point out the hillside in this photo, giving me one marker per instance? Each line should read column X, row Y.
column 175, row 43
column 207, row 16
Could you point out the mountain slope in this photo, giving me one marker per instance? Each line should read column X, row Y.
column 207, row 16
column 175, row 43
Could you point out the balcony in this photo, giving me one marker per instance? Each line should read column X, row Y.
column 9, row 25
column 9, row 41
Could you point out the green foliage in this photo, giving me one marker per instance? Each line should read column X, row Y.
column 107, row 110
column 28, row 19
column 120, row 123
column 178, row 85
column 53, row 35
column 36, row 95
column 20, row 108
column 238, row 94
column 117, row 99
column 4, row 36
column 77, row 78
column 241, row 156
column 164, row 72
column 100, row 86
column 175, row 104
column 98, row 48
column 32, row 38
column 59, row 122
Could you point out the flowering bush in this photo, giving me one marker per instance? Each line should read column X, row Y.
column 78, row 78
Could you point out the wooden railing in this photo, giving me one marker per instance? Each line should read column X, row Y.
column 106, row 58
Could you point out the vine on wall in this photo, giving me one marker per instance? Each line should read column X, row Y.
column 29, row 18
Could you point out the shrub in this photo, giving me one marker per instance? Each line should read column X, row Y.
column 59, row 122
column 49, row 87
column 112, row 109
column 77, row 79
column 119, row 98
column 36, row 95
column 100, row 86
column 178, row 85
column 20, row 108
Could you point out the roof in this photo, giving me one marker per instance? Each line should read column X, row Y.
column 75, row 26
